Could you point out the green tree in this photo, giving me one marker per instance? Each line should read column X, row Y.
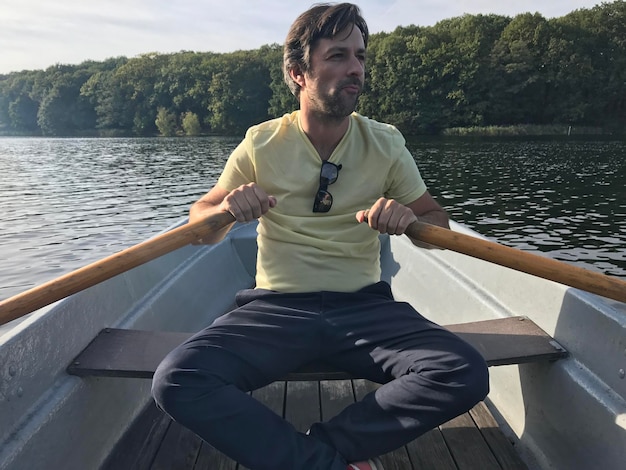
column 110, row 97
column 62, row 110
column 239, row 92
column 519, row 58
column 590, row 65
column 166, row 122
column 191, row 124
column 389, row 96
column 140, row 79
column 22, row 114
column 18, row 106
column 281, row 100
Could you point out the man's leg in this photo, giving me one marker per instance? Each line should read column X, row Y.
column 203, row 383
column 430, row 374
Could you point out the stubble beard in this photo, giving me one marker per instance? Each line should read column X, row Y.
column 334, row 106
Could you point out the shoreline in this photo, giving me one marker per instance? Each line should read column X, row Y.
column 528, row 130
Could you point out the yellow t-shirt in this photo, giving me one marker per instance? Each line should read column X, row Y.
column 303, row 251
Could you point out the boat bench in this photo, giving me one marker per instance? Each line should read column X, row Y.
column 137, row 353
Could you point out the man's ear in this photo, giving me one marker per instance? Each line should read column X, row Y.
column 297, row 76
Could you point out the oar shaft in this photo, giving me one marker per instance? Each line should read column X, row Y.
column 94, row 273
column 530, row 263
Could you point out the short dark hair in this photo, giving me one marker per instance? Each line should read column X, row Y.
column 321, row 21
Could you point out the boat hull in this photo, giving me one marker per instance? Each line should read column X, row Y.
column 566, row 414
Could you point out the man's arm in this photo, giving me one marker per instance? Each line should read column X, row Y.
column 426, row 209
column 206, row 206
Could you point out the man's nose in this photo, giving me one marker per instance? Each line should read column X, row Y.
column 357, row 67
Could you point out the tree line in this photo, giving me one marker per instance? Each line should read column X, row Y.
column 472, row 70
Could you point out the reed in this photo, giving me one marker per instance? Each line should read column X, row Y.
column 524, row 130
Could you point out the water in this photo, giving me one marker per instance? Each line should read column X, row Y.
column 68, row 202
column 563, row 197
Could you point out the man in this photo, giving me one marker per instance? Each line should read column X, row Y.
column 324, row 182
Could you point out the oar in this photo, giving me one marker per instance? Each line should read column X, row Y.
column 94, row 273
column 125, row 260
column 530, row 263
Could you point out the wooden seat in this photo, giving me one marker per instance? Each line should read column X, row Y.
column 137, row 353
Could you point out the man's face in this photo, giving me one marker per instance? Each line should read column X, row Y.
column 335, row 79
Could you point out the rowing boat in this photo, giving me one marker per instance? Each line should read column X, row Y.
column 561, row 414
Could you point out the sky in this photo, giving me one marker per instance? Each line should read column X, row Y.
column 35, row 34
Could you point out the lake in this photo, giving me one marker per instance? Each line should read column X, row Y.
column 69, row 202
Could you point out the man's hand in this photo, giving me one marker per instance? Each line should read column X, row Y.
column 387, row 216
column 247, row 202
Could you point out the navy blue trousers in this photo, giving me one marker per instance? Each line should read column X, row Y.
column 429, row 374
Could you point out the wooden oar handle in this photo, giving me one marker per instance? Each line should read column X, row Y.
column 94, row 273
column 530, row 263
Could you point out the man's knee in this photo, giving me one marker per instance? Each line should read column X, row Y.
column 177, row 387
column 478, row 377
column 473, row 378
column 167, row 390
column 462, row 374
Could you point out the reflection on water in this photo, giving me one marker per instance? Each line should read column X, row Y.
column 69, row 202
column 565, row 198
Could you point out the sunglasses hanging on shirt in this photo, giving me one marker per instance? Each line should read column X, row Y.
column 328, row 175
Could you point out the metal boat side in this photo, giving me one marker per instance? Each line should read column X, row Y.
column 50, row 419
column 567, row 414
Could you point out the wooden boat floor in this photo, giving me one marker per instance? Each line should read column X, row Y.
column 471, row 441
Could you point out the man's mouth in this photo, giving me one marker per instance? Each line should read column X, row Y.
column 351, row 86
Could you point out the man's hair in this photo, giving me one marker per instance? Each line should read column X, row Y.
column 321, row 21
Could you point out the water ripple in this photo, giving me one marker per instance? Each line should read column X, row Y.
column 69, row 202
column 565, row 198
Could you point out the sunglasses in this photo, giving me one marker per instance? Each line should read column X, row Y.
column 328, row 175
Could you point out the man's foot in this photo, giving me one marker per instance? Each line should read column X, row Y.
column 372, row 464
